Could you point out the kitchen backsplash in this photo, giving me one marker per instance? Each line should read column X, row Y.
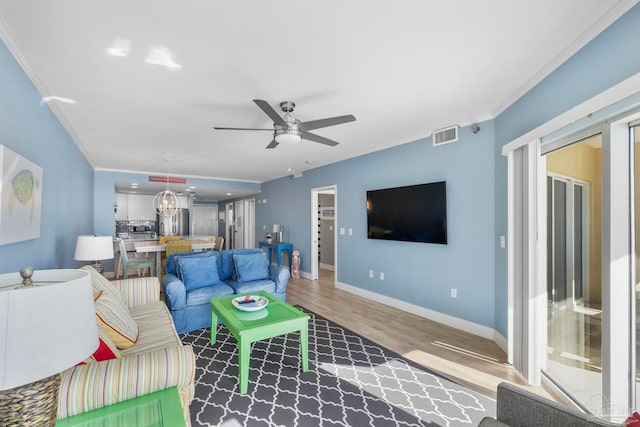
column 128, row 226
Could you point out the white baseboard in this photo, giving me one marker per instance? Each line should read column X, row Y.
column 501, row 341
column 327, row 267
column 305, row 275
column 454, row 322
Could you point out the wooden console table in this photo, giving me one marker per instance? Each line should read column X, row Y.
column 278, row 247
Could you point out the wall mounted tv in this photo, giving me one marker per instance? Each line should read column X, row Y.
column 415, row 213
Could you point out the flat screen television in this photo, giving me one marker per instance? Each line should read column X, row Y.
column 415, row 213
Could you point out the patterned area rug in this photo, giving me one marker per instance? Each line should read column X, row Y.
column 351, row 381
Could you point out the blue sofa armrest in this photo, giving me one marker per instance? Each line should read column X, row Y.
column 280, row 275
column 175, row 293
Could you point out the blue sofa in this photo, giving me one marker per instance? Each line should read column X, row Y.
column 193, row 278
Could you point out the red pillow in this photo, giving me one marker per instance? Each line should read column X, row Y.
column 106, row 349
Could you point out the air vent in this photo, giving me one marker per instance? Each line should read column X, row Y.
column 445, row 136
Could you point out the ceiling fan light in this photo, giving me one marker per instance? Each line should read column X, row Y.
column 288, row 138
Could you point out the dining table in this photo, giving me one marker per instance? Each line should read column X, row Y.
column 148, row 246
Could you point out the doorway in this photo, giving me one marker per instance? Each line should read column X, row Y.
column 243, row 230
column 324, row 215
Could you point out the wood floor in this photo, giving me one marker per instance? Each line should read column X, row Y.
column 464, row 358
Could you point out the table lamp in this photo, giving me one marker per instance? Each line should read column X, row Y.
column 94, row 248
column 47, row 324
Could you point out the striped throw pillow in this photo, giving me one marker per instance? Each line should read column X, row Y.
column 114, row 318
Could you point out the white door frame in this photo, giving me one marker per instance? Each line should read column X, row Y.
column 249, row 224
column 314, row 229
column 238, row 224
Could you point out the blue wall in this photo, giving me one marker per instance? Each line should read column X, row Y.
column 604, row 62
column 418, row 273
column 31, row 130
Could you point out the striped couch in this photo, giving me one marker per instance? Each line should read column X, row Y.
column 157, row 360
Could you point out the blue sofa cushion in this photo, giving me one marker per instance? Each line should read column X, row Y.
column 203, row 295
column 198, row 272
column 250, row 267
column 172, row 266
column 226, row 264
column 267, row 285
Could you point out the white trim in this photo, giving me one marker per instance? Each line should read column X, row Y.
column 327, row 266
column 327, row 189
column 616, row 263
column 591, row 33
column 603, row 99
column 436, row 316
column 164, row 173
column 305, row 275
column 18, row 53
column 500, row 341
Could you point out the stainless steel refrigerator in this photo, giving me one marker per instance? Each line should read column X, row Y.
column 177, row 225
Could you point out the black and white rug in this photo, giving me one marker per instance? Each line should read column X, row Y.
column 351, row 381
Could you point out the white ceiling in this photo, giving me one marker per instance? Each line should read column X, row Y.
column 403, row 69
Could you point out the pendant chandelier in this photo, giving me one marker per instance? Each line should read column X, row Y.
column 166, row 203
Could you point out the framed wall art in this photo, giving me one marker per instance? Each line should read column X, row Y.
column 327, row 212
column 20, row 197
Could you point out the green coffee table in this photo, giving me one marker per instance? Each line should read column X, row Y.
column 162, row 408
column 277, row 318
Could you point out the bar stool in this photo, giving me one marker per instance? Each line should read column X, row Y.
column 133, row 264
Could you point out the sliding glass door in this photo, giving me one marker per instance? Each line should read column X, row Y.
column 573, row 267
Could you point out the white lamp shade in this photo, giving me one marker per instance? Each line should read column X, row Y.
column 46, row 328
column 94, row 248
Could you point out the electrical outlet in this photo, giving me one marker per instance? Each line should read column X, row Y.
column 264, row 227
column 503, row 242
column 371, row 274
column 351, row 232
column 342, row 231
column 381, row 276
column 454, row 293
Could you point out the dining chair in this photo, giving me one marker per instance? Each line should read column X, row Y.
column 212, row 239
column 172, row 247
column 163, row 256
column 219, row 243
column 133, row 264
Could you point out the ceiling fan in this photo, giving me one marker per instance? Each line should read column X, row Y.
column 289, row 130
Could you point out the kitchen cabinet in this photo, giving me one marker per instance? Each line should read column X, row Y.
column 122, row 207
column 135, row 207
column 148, row 211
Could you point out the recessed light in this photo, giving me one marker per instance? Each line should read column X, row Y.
column 309, row 162
column 162, row 56
column 192, row 187
column 228, row 194
column 120, row 48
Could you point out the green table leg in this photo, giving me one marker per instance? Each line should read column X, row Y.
column 244, row 355
column 304, row 346
column 214, row 326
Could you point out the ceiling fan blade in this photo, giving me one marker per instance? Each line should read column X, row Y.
column 223, row 128
column 269, row 111
column 323, row 123
column 317, row 138
column 272, row 144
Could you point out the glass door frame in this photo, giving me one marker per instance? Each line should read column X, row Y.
column 527, row 270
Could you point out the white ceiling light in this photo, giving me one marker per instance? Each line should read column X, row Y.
column 288, row 136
